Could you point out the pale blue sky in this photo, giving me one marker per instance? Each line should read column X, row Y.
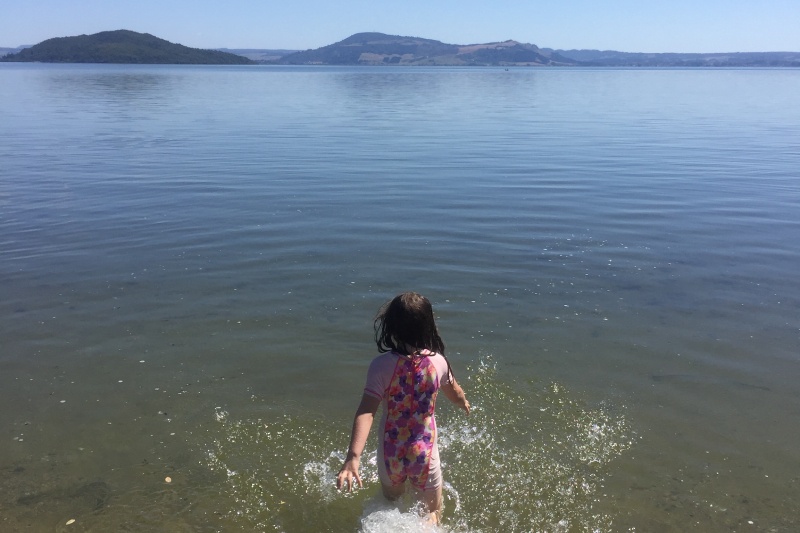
column 625, row 25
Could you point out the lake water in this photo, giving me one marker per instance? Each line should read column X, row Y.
column 191, row 258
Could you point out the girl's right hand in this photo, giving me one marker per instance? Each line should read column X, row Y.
column 348, row 474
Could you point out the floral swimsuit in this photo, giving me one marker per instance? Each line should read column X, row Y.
column 409, row 386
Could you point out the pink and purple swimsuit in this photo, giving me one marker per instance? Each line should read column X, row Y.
column 408, row 387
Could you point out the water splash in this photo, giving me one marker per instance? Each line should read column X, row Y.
column 529, row 458
column 275, row 476
column 403, row 516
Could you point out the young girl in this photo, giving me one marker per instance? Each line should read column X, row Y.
column 405, row 379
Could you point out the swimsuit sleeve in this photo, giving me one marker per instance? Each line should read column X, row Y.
column 442, row 369
column 379, row 375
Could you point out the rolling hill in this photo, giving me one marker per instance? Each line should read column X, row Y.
column 381, row 49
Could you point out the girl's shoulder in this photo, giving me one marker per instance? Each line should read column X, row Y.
column 384, row 360
column 439, row 361
column 385, row 356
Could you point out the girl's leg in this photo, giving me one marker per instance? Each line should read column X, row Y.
column 392, row 492
column 432, row 499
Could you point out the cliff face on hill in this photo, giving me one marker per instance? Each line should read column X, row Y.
column 121, row 46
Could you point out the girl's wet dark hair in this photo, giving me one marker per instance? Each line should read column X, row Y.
column 407, row 321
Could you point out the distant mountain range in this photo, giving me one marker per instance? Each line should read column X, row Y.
column 4, row 51
column 382, row 49
column 258, row 55
column 610, row 58
column 123, row 46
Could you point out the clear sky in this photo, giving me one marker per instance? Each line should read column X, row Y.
column 624, row 25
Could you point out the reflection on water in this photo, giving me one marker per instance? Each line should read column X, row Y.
column 123, row 85
column 115, row 93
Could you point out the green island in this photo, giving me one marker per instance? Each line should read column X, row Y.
column 121, row 46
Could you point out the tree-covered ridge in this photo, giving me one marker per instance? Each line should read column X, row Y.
column 381, row 49
column 350, row 50
column 122, row 46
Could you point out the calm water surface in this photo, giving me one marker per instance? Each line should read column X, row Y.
column 190, row 259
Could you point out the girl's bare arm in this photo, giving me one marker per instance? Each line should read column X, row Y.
column 455, row 394
column 358, row 439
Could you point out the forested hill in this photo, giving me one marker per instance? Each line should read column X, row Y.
column 122, row 46
column 381, row 49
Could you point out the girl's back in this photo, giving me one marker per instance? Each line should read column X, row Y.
column 408, row 386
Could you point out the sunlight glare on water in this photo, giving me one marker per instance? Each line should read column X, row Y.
column 529, row 458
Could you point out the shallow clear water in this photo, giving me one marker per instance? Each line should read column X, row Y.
column 190, row 259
